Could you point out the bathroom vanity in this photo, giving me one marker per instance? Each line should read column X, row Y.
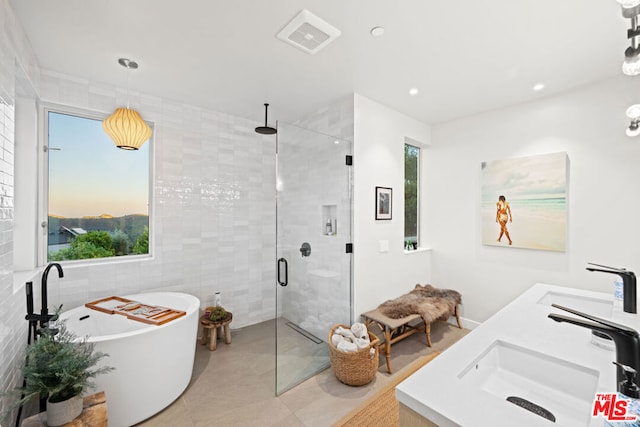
column 520, row 354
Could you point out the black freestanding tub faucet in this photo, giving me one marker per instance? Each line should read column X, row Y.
column 44, row 310
column 629, row 282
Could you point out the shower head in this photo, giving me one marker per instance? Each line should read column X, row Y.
column 266, row 130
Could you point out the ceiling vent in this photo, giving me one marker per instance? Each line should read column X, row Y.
column 308, row 32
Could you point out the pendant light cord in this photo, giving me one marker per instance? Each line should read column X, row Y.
column 128, row 72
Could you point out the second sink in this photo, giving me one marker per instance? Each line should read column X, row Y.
column 562, row 388
column 595, row 306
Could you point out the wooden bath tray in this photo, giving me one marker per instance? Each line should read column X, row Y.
column 134, row 310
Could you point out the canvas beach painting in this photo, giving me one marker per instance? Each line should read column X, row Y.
column 524, row 202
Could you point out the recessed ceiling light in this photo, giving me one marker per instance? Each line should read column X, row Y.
column 538, row 87
column 628, row 4
column 377, row 31
column 413, row 91
column 633, row 112
column 336, row 142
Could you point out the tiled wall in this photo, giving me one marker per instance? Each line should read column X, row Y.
column 214, row 203
column 10, row 319
column 14, row 52
column 214, row 207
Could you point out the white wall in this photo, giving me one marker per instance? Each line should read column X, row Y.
column 603, row 197
column 379, row 138
column 26, row 185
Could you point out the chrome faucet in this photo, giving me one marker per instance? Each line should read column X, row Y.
column 626, row 339
column 44, row 310
column 629, row 282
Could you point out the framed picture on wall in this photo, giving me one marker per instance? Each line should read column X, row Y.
column 383, row 202
column 524, row 202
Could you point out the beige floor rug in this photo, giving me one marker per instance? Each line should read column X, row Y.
column 382, row 409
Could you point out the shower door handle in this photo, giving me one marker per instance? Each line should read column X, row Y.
column 286, row 272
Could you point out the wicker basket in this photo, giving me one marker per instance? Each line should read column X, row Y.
column 357, row 368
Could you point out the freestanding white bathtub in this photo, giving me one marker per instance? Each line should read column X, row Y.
column 153, row 364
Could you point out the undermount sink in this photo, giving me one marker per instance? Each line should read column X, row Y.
column 563, row 388
column 595, row 306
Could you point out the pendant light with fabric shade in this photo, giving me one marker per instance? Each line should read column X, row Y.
column 125, row 126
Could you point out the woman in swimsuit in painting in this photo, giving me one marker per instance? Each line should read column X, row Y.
column 503, row 215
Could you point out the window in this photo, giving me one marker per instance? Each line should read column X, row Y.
column 97, row 203
column 411, row 196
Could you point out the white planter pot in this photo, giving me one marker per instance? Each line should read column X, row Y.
column 59, row 413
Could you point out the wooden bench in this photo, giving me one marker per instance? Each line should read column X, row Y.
column 395, row 330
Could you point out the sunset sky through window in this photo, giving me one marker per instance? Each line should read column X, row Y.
column 89, row 175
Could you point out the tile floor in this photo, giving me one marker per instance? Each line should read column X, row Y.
column 234, row 385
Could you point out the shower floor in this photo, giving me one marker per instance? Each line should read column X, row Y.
column 300, row 355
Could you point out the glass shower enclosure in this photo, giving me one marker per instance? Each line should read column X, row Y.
column 313, row 283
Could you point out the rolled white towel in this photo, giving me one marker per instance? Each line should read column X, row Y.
column 336, row 339
column 362, row 343
column 345, row 333
column 360, row 331
column 347, row 347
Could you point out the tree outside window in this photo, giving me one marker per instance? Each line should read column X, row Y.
column 411, row 195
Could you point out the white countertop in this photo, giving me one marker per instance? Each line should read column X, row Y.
column 437, row 392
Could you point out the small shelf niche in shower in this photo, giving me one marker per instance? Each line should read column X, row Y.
column 329, row 220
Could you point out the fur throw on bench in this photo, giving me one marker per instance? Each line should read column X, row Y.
column 430, row 303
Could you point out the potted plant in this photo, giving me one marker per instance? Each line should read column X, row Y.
column 217, row 314
column 60, row 367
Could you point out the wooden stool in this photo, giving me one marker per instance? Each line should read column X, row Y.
column 211, row 328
